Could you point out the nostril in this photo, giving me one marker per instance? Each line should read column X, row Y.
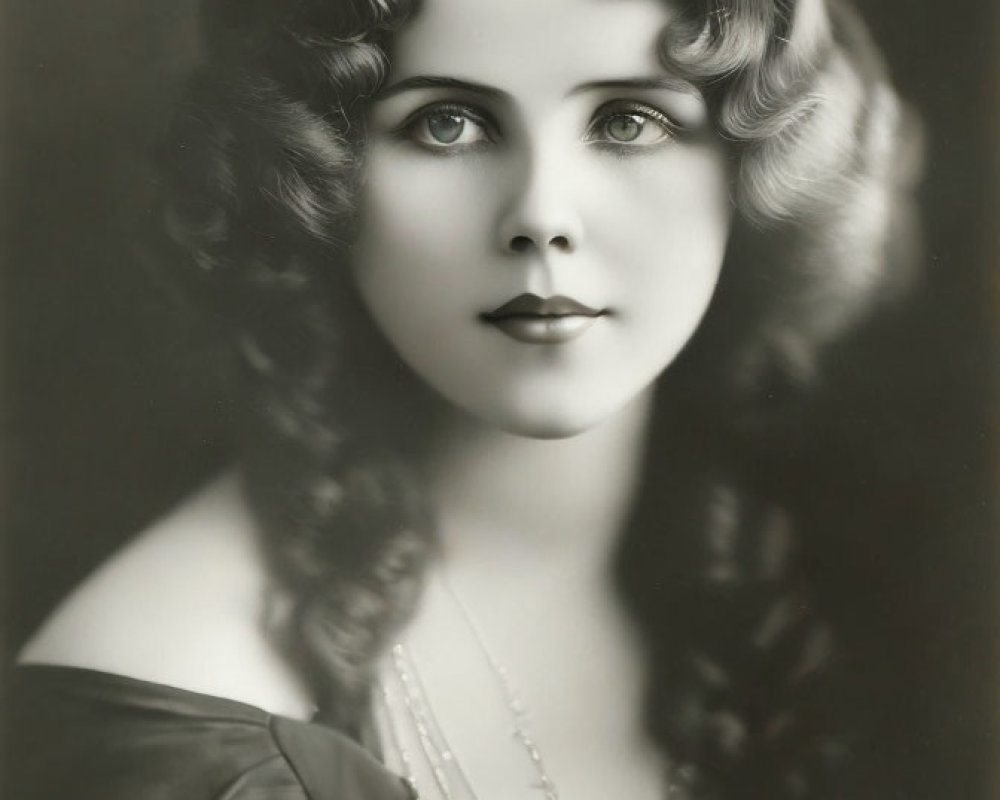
column 520, row 243
column 560, row 242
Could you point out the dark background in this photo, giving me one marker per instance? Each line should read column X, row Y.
column 113, row 406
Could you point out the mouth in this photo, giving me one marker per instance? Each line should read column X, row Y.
column 531, row 319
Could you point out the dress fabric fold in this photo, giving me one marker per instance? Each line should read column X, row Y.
column 79, row 734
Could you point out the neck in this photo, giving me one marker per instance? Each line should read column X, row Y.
column 503, row 498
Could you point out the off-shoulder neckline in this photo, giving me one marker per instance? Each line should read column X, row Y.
column 306, row 745
column 198, row 701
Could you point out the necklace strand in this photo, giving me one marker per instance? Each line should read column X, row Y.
column 434, row 746
column 516, row 707
column 390, row 726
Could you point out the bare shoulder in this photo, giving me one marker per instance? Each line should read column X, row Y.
column 181, row 605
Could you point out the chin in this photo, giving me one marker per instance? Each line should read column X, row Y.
column 548, row 423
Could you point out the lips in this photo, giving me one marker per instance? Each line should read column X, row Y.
column 531, row 319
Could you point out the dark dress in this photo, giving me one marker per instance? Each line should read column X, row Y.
column 80, row 734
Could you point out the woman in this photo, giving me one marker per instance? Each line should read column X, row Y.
column 508, row 522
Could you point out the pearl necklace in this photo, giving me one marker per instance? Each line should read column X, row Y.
column 451, row 781
column 448, row 775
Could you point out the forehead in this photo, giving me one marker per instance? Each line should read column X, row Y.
column 520, row 43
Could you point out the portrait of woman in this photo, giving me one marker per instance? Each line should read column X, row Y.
column 587, row 420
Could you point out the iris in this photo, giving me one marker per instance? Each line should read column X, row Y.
column 625, row 127
column 445, row 128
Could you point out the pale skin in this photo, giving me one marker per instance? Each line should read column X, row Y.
column 537, row 451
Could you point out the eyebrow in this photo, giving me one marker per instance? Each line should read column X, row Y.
column 661, row 82
column 492, row 93
column 435, row 82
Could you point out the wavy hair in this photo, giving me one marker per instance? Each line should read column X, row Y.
column 747, row 692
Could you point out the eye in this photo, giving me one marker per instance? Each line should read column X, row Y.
column 630, row 124
column 447, row 126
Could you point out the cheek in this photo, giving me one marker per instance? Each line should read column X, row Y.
column 421, row 222
column 676, row 206
column 667, row 233
column 422, row 206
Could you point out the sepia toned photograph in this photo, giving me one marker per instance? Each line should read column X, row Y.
column 500, row 400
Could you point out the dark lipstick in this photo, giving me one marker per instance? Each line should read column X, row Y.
column 532, row 319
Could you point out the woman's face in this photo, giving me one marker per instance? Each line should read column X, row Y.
column 545, row 208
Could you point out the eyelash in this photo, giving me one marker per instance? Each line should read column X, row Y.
column 601, row 118
column 618, row 108
column 406, row 129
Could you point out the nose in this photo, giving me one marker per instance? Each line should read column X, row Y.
column 542, row 215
